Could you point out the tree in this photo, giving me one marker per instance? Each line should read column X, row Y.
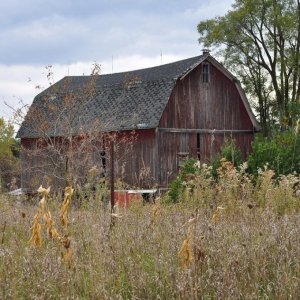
column 6, row 138
column 9, row 164
column 66, row 141
column 260, row 41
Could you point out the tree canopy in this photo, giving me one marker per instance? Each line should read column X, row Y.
column 260, row 42
column 6, row 138
column 9, row 150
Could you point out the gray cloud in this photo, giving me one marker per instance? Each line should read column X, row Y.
column 68, row 31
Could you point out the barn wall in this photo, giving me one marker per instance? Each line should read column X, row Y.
column 39, row 166
column 45, row 161
column 215, row 105
column 136, row 162
column 173, row 153
column 212, row 105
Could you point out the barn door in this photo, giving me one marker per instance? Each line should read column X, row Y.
column 183, row 153
column 188, row 147
column 204, row 142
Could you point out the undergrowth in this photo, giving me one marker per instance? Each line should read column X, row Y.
column 228, row 239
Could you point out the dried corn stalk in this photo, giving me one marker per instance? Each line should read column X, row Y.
column 68, row 254
column 51, row 230
column 185, row 253
column 65, row 206
column 36, row 237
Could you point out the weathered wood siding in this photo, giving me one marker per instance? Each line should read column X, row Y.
column 39, row 166
column 136, row 162
column 215, row 105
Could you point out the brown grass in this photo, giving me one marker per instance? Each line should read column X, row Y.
column 251, row 252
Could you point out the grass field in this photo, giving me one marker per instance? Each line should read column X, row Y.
column 247, row 249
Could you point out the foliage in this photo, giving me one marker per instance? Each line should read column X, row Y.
column 6, row 138
column 176, row 188
column 9, row 152
column 281, row 153
column 190, row 167
column 260, row 41
column 177, row 185
column 230, row 152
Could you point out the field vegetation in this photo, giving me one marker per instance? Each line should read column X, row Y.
column 230, row 237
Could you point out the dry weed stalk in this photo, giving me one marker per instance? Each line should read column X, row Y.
column 155, row 212
column 66, row 241
column 216, row 215
column 185, row 253
column 65, row 206
column 68, row 254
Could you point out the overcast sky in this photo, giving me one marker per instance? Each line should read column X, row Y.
column 72, row 34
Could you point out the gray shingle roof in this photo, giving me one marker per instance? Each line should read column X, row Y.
column 120, row 101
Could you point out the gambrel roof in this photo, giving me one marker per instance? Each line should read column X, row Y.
column 112, row 102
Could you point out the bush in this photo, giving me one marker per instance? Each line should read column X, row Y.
column 280, row 153
column 230, row 152
column 177, row 185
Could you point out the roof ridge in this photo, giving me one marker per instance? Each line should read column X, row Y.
column 138, row 70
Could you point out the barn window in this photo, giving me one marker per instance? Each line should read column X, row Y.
column 205, row 72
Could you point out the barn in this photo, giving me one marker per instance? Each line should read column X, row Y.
column 157, row 118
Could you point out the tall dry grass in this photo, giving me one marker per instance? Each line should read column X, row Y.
column 250, row 252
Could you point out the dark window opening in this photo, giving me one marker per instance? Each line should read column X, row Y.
column 198, row 146
column 103, row 161
column 205, row 72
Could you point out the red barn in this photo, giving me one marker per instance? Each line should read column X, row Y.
column 158, row 117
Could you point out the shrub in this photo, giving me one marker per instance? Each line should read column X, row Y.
column 177, row 186
column 230, row 152
column 189, row 167
column 280, row 153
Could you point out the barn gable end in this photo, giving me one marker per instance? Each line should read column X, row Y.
column 200, row 116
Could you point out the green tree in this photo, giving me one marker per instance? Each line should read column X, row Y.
column 280, row 153
column 7, row 140
column 9, row 150
column 260, row 41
